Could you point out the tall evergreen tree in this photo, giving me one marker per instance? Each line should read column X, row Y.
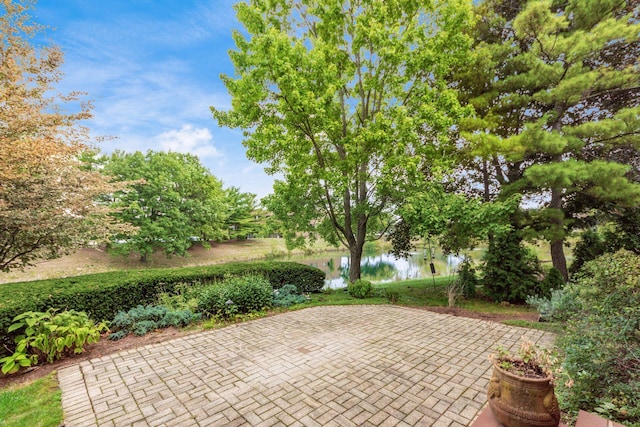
column 556, row 87
column 241, row 214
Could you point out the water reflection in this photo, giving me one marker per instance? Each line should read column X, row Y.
column 382, row 267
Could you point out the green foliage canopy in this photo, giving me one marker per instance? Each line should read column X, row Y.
column 557, row 90
column 348, row 101
column 241, row 214
column 174, row 200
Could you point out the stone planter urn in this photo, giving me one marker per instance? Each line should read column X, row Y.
column 518, row 401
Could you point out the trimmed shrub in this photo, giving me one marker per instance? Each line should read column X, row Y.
column 287, row 296
column 305, row 278
column 144, row 319
column 236, row 295
column 601, row 345
column 360, row 289
column 103, row 295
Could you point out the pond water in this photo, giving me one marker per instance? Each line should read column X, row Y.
column 381, row 267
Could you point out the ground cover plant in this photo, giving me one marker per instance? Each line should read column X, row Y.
column 144, row 319
column 287, row 296
column 49, row 336
column 558, row 307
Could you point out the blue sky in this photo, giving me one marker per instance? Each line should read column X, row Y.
column 151, row 69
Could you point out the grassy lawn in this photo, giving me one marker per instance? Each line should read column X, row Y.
column 419, row 292
column 37, row 404
column 88, row 261
column 424, row 293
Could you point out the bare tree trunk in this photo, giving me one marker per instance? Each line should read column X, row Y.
column 558, row 258
column 354, row 262
column 557, row 244
column 356, row 249
column 485, row 181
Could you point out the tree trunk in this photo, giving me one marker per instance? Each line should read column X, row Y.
column 144, row 257
column 487, row 190
column 558, row 258
column 557, row 243
column 354, row 261
column 485, row 182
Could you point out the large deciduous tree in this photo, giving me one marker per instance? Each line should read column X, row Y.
column 348, row 101
column 557, row 89
column 174, row 201
column 47, row 195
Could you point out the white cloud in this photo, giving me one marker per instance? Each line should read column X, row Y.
column 151, row 71
column 189, row 139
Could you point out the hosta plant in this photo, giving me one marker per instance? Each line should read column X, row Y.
column 50, row 335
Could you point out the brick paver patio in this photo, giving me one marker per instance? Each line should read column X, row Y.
column 323, row 366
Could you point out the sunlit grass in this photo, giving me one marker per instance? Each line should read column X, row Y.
column 416, row 293
column 35, row 405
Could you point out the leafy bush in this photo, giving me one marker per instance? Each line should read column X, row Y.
column 51, row 336
column 287, row 296
column 552, row 280
column 589, row 247
column 510, row 270
column 467, row 277
column 624, row 233
column 360, row 289
column 392, row 296
column 141, row 320
column 185, row 297
column 602, row 342
column 560, row 306
column 236, row 295
column 103, row 295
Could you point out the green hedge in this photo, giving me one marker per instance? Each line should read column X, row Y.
column 103, row 295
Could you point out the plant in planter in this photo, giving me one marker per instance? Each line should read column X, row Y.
column 521, row 392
